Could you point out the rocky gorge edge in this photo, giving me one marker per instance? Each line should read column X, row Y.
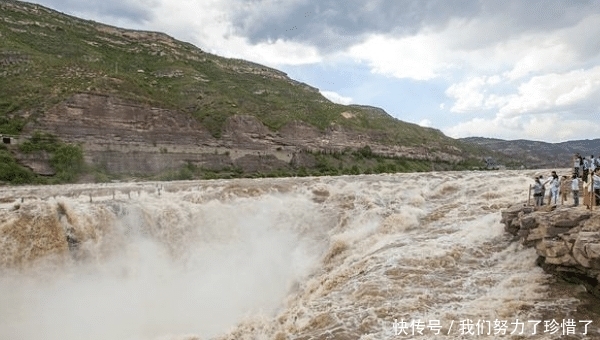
column 566, row 239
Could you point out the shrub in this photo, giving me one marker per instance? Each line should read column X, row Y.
column 185, row 173
column 40, row 141
column 11, row 172
column 365, row 151
column 68, row 162
column 11, row 126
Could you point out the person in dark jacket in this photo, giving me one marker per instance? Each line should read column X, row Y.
column 537, row 192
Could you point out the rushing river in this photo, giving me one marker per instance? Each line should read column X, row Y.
column 353, row 257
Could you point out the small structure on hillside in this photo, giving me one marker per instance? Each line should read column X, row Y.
column 9, row 139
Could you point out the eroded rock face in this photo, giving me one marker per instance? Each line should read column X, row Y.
column 38, row 162
column 126, row 137
column 567, row 240
column 101, row 119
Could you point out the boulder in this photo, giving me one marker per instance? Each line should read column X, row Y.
column 511, row 217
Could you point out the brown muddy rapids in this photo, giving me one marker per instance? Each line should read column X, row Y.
column 354, row 257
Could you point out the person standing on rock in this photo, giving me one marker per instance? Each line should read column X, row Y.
column 563, row 189
column 554, row 188
column 538, row 196
column 575, row 190
column 541, row 178
column 585, row 170
column 576, row 164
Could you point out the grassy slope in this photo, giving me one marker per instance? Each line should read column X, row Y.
column 58, row 55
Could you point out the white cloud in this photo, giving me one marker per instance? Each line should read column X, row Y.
column 425, row 123
column 466, row 47
column 336, row 97
column 556, row 92
column 468, row 95
column 500, row 128
column 280, row 52
column 552, row 127
column 417, row 57
column 540, row 56
column 551, row 107
column 476, row 94
column 573, row 90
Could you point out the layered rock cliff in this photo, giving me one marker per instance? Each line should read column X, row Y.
column 126, row 137
column 566, row 239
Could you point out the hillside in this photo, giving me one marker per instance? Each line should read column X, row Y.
column 138, row 103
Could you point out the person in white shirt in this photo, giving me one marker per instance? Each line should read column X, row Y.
column 575, row 190
column 554, row 187
column 586, row 165
column 576, row 164
column 592, row 165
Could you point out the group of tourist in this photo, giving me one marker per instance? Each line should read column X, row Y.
column 586, row 168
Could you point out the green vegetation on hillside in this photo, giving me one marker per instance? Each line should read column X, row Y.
column 65, row 159
column 349, row 162
column 11, row 172
column 46, row 57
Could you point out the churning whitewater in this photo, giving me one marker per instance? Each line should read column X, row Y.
column 352, row 257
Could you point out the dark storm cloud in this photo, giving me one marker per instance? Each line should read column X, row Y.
column 538, row 15
column 130, row 10
column 541, row 14
column 330, row 24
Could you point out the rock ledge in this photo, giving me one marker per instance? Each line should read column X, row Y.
column 567, row 240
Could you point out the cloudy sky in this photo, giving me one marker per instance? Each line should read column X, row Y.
column 507, row 69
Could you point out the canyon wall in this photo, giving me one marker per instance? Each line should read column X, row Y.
column 124, row 137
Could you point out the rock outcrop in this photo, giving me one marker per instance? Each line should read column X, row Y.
column 38, row 162
column 125, row 137
column 567, row 240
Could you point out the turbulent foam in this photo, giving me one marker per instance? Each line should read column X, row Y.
column 266, row 259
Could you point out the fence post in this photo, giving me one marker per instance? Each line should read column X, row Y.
column 592, row 193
